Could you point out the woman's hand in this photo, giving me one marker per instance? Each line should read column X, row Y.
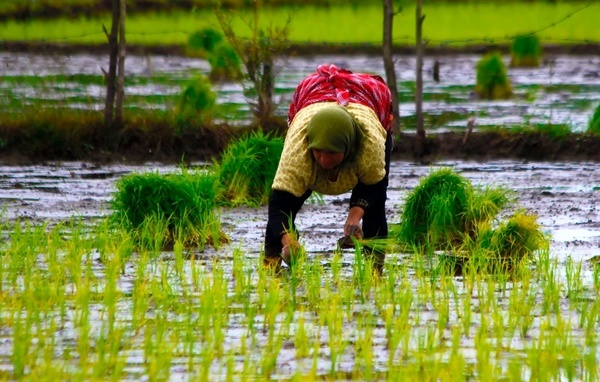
column 353, row 228
column 291, row 248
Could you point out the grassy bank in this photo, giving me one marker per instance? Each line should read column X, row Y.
column 445, row 24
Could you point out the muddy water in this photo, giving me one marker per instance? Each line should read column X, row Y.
column 563, row 90
column 566, row 197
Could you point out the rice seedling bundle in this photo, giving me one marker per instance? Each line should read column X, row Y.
column 492, row 80
column 526, row 51
column 173, row 206
column 445, row 212
column 247, row 169
column 433, row 212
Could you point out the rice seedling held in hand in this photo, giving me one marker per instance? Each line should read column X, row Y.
column 173, row 207
column 247, row 169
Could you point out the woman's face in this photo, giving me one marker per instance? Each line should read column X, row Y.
column 327, row 159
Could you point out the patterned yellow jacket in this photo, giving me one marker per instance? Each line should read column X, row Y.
column 298, row 171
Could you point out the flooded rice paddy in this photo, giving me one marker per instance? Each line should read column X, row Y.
column 92, row 308
column 563, row 90
column 215, row 314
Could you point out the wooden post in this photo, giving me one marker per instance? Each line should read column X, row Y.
column 420, row 138
column 113, row 47
column 121, row 67
column 388, row 62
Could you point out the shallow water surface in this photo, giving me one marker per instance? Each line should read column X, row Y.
column 565, row 196
column 563, row 90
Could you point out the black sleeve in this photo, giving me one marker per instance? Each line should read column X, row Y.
column 364, row 195
column 283, row 208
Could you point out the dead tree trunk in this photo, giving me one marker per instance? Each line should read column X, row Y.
column 111, row 76
column 420, row 138
column 115, row 78
column 388, row 62
column 121, row 67
column 265, row 93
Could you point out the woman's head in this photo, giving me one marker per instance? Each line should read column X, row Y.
column 332, row 135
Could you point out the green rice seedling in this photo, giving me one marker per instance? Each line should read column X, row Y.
column 225, row 64
column 334, row 321
column 270, row 353
column 594, row 124
column 573, row 279
column 301, row 337
column 247, row 168
column 433, row 213
column 485, row 203
column 82, row 317
column 197, row 100
column 363, row 273
column 551, row 290
column 203, row 41
column 492, row 80
column 526, row 51
column 596, row 278
column 364, row 347
column 592, row 316
column 590, row 365
column 22, row 335
column 513, row 242
column 242, row 276
column 159, row 207
column 313, row 283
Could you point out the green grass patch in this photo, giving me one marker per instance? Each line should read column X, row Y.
column 433, row 120
column 197, row 100
column 553, row 130
column 571, row 88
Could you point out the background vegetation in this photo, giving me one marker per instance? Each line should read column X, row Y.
column 174, row 119
column 446, row 23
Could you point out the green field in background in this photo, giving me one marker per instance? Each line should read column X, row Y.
column 445, row 23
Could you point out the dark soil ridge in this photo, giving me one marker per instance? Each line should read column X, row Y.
column 295, row 49
column 208, row 144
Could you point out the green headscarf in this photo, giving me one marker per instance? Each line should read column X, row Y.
column 333, row 129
